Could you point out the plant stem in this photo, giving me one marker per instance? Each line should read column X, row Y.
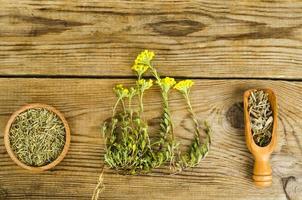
column 115, row 105
column 154, row 73
column 123, row 105
column 141, row 102
column 167, row 110
column 140, row 96
column 130, row 107
column 193, row 116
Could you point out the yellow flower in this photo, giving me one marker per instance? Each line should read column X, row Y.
column 184, row 86
column 166, row 83
column 132, row 92
column 149, row 83
column 119, row 86
column 120, row 91
column 142, row 62
column 144, row 84
column 126, row 91
column 144, row 57
column 140, row 68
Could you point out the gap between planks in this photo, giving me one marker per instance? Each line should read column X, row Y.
column 126, row 77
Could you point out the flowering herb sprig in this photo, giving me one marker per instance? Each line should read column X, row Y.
column 121, row 93
column 143, row 85
column 128, row 146
column 197, row 150
column 166, row 147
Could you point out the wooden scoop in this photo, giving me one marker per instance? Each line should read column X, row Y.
column 262, row 173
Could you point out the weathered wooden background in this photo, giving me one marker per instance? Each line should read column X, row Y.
column 69, row 54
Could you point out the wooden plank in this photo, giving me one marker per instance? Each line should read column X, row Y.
column 192, row 38
column 224, row 174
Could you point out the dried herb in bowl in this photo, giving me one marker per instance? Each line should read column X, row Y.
column 261, row 117
column 37, row 137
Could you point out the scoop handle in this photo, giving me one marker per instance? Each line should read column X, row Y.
column 262, row 173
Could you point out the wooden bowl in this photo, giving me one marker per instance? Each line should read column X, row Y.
column 262, row 173
column 11, row 152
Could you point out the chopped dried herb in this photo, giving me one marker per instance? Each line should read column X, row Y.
column 261, row 117
column 37, row 137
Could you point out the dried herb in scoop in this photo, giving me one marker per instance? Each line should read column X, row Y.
column 37, row 137
column 261, row 117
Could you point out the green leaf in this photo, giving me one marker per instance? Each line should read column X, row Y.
column 134, row 147
column 166, row 122
column 143, row 144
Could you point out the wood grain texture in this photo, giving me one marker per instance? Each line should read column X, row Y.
column 224, row 174
column 255, row 39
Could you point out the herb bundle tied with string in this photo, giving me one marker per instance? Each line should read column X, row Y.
column 129, row 148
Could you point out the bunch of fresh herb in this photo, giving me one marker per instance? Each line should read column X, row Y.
column 37, row 137
column 261, row 117
column 128, row 146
